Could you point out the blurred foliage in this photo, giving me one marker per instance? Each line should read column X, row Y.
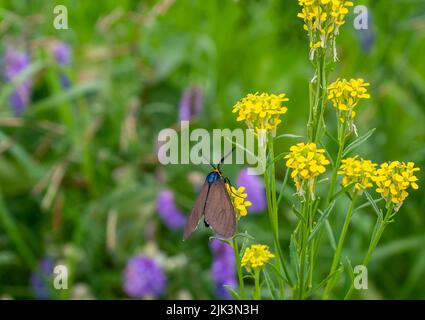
column 80, row 156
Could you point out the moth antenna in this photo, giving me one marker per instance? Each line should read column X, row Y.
column 225, row 156
column 211, row 164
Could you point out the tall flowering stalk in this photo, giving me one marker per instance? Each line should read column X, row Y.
column 238, row 198
column 310, row 163
column 307, row 162
column 261, row 113
column 357, row 173
column 254, row 259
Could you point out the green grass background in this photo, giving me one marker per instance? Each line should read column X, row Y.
column 132, row 62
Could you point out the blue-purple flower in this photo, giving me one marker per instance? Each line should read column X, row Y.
column 254, row 187
column 223, row 267
column 144, row 278
column 191, row 103
column 62, row 53
column 41, row 278
column 367, row 36
column 15, row 63
column 168, row 211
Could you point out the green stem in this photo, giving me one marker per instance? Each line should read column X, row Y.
column 257, row 289
column 374, row 243
column 270, row 184
column 318, row 98
column 239, row 268
column 304, row 243
column 341, row 145
column 341, row 241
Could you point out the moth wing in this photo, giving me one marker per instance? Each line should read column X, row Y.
column 196, row 212
column 219, row 211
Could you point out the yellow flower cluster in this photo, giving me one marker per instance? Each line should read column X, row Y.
column 238, row 199
column 393, row 179
column 261, row 111
column 256, row 256
column 322, row 19
column 345, row 95
column 358, row 171
column 307, row 162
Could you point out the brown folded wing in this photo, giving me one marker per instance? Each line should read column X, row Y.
column 219, row 211
column 197, row 211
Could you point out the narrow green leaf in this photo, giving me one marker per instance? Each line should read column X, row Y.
column 233, row 292
column 276, row 271
column 367, row 204
column 330, row 234
column 374, row 206
column 321, row 220
column 272, row 289
column 282, row 188
column 357, row 142
column 298, row 214
column 293, row 254
column 288, row 135
column 55, row 100
column 342, row 191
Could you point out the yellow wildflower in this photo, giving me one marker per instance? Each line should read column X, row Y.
column 238, row 199
column 322, row 19
column 307, row 162
column 393, row 179
column 256, row 256
column 358, row 171
column 261, row 111
column 345, row 95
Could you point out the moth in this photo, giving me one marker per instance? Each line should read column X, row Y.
column 214, row 204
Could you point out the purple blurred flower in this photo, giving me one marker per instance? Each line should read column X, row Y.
column 254, row 187
column 191, row 103
column 223, row 267
column 143, row 277
column 367, row 36
column 62, row 53
column 15, row 63
column 168, row 211
column 41, row 278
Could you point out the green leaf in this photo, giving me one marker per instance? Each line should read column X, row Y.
column 330, row 234
column 280, row 156
column 374, row 206
column 343, row 191
column 330, row 277
column 282, row 188
column 328, row 134
column 298, row 214
column 350, row 270
column 367, row 204
column 55, row 100
column 272, row 289
column 288, row 135
column 276, row 270
column 357, row 142
column 293, row 254
column 321, row 221
column 233, row 292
